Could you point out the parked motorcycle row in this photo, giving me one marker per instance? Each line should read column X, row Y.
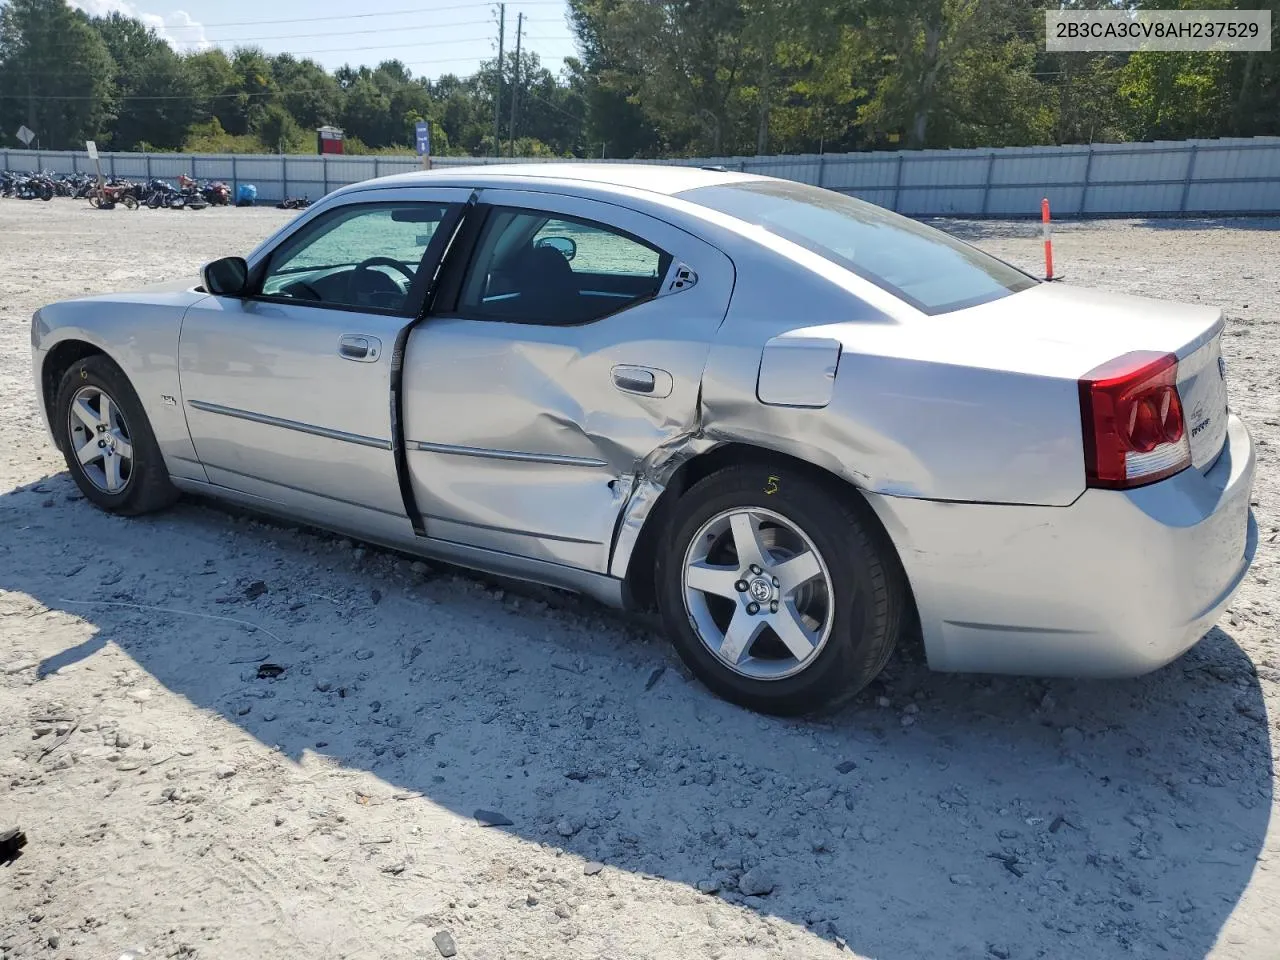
column 44, row 186
column 187, row 194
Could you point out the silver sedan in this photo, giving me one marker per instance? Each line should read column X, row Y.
column 793, row 422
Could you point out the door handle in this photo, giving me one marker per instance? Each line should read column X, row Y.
column 649, row 381
column 359, row 347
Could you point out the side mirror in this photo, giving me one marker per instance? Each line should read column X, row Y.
column 228, row 277
column 565, row 246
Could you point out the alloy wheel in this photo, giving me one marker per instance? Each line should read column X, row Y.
column 758, row 593
column 100, row 439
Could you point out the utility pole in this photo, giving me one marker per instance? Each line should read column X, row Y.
column 497, row 94
column 515, row 82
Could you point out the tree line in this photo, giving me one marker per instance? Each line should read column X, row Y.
column 653, row 78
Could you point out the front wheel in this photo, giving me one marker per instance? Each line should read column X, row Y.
column 780, row 592
column 130, row 202
column 107, row 440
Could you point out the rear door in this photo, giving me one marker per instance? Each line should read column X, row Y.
column 287, row 392
column 571, row 352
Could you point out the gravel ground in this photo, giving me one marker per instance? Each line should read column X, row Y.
column 177, row 803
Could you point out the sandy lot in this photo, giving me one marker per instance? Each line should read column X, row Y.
column 177, row 804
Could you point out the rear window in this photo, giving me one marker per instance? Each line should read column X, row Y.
column 930, row 270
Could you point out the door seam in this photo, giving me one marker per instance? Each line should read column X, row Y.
column 399, row 447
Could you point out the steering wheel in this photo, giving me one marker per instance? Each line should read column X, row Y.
column 311, row 292
column 385, row 262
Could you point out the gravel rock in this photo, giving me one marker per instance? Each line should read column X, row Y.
column 756, row 882
column 224, row 770
column 444, row 943
column 491, row 818
column 568, row 826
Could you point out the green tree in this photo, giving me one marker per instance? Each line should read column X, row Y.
column 154, row 95
column 615, row 124
column 310, row 95
column 55, row 74
column 275, row 127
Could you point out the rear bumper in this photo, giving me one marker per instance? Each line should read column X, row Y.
column 1116, row 584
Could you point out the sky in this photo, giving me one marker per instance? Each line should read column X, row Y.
column 432, row 37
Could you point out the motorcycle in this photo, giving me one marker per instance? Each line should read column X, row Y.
column 35, row 186
column 161, row 193
column 112, row 193
column 217, row 194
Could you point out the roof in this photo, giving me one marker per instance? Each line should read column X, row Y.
column 653, row 177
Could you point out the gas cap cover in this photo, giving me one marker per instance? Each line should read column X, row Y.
column 798, row 371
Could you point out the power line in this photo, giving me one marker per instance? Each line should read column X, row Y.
column 201, row 96
column 357, row 16
column 380, row 46
column 338, row 33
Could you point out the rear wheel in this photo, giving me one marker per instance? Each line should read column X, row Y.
column 779, row 593
column 107, row 441
column 130, row 202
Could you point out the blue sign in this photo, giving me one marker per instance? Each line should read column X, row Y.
column 422, row 132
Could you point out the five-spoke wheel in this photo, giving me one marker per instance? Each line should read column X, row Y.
column 779, row 588
column 758, row 592
column 107, row 440
column 100, row 439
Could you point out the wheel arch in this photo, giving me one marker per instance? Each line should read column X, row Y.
column 59, row 359
column 639, row 580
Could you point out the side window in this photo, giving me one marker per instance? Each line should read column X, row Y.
column 364, row 256
column 533, row 267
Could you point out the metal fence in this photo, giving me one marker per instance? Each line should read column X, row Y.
column 1191, row 177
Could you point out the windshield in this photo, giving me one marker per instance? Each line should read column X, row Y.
column 930, row 270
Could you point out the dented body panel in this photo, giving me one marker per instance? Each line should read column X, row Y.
column 528, row 438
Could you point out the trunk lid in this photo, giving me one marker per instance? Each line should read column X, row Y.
column 1058, row 330
column 1202, row 385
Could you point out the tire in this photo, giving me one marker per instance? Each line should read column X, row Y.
column 852, row 606
column 130, row 202
column 95, row 200
column 142, row 483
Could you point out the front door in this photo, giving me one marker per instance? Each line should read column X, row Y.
column 573, row 352
column 288, row 392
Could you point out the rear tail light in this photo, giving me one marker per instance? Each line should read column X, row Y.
column 1134, row 431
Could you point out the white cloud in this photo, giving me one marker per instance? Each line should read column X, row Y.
column 177, row 29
